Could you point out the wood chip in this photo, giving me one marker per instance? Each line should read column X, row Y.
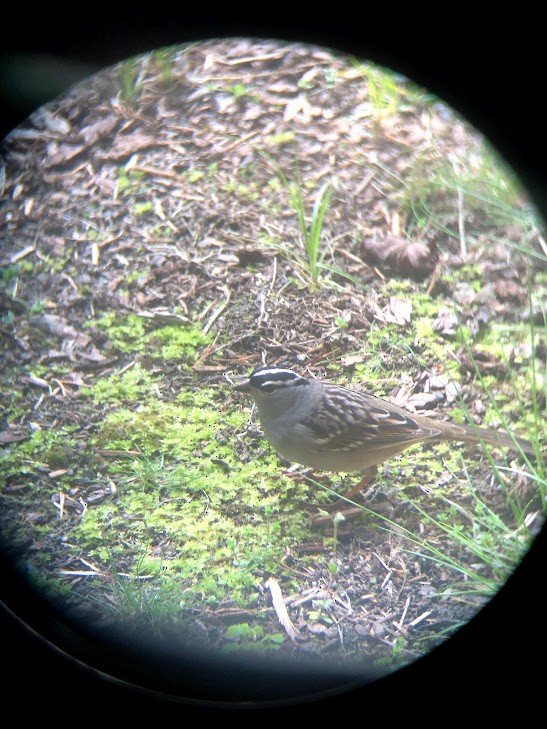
column 22, row 254
column 281, row 609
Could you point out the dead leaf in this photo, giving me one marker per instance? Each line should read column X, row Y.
column 14, row 434
column 283, row 87
column 36, row 381
column 352, row 359
column 36, row 517
column 446, row 323
column 59, row 327
column 55, row 324
column 102, row 128
column 413, row 259
column 400, row 311
column 300, row 108
column 250, row 255
column 423, row 400
column 59, row 154
column 317, row 628
column 485, row 362
column 127, row 144
column 508, row 290
column 54, row 122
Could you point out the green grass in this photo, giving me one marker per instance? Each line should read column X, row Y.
column 388, row 93
column 309, row 261
column 244, row 637
column 163, row 59
column 493, row 546
column 445, row 194
column 499, row 543
column 442, row 194
column 130, row 84
column 136, row 72
column 311, row 232
column 477, row 547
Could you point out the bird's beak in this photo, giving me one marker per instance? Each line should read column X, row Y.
column 243, row 386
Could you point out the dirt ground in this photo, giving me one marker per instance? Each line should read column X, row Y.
column 154, row 189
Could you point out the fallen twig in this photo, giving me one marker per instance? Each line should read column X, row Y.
column 281, row 609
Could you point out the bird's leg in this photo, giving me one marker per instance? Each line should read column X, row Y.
column 368, row 477
column 341, row 506
column 300, row 473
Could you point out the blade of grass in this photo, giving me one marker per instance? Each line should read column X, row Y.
column 313, row 236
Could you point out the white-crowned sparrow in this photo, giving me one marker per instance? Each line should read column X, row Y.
column 334, row 428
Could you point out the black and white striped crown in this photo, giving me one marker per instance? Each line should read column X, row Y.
column 270, row 379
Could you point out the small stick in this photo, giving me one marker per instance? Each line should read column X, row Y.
column 281, row 609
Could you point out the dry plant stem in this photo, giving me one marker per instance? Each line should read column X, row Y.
column 281, row 609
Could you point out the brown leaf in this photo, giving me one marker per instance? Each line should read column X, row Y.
column 58, row 155
column 485, row 362
column 507, row 290
column 352, row 359
column 14, row 434
column 406, row 257
column 250, row 255
column 126, row 144
column 54, row 122
column 423, row 400
column 57, row 325
column 397, row 311
column 283, row 87
column 100, row 129
column 36, row 381
column 400, row 311
column 446, row 323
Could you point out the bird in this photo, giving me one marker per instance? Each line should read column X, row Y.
column 335, row 428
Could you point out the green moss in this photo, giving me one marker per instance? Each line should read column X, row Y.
column 142, row 208
column 277, row 140
column 246, row 637
column 207, row 547
column 48, row 587
column 16, row 408
column 45, row 449
column 171, row 343
column 194, row 175
column 127, row 333
column 131, row 386
column 218, row 521
column 180, row 344
column 176, row 428
column 7, row 273
column 123, row 183
column 424, row 306
column 162, row 231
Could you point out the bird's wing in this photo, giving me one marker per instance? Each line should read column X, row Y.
column 349, row 418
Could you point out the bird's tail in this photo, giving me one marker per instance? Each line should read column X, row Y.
column 501, row 439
